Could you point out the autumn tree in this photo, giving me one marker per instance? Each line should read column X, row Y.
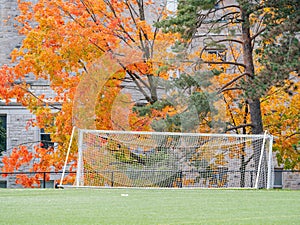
column 63, row 41
column 251, row 46
column 282, row 120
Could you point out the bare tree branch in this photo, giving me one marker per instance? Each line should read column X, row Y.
column 224, row 63
column 258, row 33
column 291, row 135
column 89, row 9
column 239, row 126
column 230, row 112
column 220, row 41
column 232, row 81
column 232, row 89
column 233, row 56
column 39, row 99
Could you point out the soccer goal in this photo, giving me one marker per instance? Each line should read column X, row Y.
column 163, row 159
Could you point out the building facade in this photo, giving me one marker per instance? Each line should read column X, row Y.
column 14, row 116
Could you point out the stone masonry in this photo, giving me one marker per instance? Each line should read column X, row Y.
column 17, row 116
column 9, row 37
column 291, row 180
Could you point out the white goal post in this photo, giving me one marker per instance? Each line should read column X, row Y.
column 107, row 158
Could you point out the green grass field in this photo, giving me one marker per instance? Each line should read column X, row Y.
column 148, row 206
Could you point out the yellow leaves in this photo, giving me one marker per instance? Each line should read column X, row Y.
column 282, row 119
column 220, row 159
column 253, row 19
column 268, row 10
column 139, row 123
column 211, row 57
column 231, row 108
column 170, row 110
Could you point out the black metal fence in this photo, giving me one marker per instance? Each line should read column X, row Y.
column 43, row 175
column 160, row 178
column 282, row 178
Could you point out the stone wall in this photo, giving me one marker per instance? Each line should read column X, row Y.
column 291, row 180
column 9, row 37
column 17, row 133
column 17, row 116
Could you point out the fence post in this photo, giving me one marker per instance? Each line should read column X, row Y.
column 44, row 180
column 180, row 179
column 112, row 178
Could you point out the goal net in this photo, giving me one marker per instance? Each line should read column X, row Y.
column 155, row 159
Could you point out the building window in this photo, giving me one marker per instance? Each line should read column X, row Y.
column 278, row 178
column 3, row 184
column 46, row 139
column 3, row 124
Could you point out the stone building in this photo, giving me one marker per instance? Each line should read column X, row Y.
column 14, row 116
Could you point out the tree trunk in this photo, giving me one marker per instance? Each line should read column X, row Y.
column 146, row 50
column 256, row 117
column 253, row 101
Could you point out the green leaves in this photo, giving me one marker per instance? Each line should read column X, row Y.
column 187, row 18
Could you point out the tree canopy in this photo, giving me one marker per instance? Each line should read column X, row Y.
column 255, row 46
column 224, row 67
column 63, row 43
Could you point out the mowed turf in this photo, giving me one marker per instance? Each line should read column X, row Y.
column 148, row 206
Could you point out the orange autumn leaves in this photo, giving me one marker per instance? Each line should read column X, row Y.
column 62, row 39
column 40, row 161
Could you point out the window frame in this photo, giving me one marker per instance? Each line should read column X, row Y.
column 3, row 125
column 45, row 142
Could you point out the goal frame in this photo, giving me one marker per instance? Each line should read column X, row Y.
column 270, row 165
